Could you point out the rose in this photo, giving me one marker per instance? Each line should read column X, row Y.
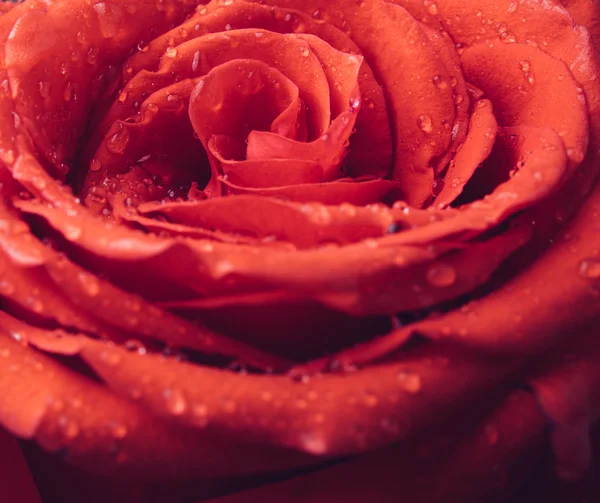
column 328, row 301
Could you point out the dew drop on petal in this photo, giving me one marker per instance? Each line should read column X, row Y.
column 441, row 275
column 117, row 142
column 439, row 82
column 410, row 381
column 95, row 165
column 69, row 428
column 524, row 65
column 425, row 124
column 370, row 400
column 590, row 268
column 354, row 104
column 118, row 430
column 111, row 358
column 200, row 413
column 512, row 7
column 44, row 88
column 89, row 283
column 301, row 403
column 6, row 287
column 68, row 92
column 36, row 305
column 267, row 396
column 195, row 61
column 175, row 401
column 73, row 232
column 92, row 55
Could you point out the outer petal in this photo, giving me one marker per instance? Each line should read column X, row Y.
column 499, row 452
column 64, row 411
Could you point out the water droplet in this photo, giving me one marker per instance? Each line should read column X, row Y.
column 512, row 7
column 68, row 93
column 38, row 182
column 409, row 381
column 441, row 275
column 590, row 268
column 109, row 18
column 171, row 52
column 92, row 55
column 175, row 401
column 425, row 124
column 200, row 413
column 301, row 403
column 370, row 400
column 35, row 304
column 118, row 430
column 72, row 232
column 304, row 51
column 123, row 97
column 371, row 243
column 135, row 346
column 524, row 65
column 354, row 104
column 111, row 358
column 95, row 164
column 117, row 142
column 56, row 405
column 195, row 61
column 69, row 428
column 44, row 88
column 439, row 82
column 6, row 287
column 321, row 215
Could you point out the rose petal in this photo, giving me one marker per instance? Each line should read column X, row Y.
column 532, row 88
column 64, row 411
column 371, row 146
column 476, row 149
column 75, row 46
column 553, row 32
column 416, row 122
column 340, row 191
column 493, row 453
column 304, row 416
column 160, row 139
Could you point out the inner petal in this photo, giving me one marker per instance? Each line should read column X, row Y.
column 241, row 96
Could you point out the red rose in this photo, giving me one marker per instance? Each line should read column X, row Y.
column 251, row 239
